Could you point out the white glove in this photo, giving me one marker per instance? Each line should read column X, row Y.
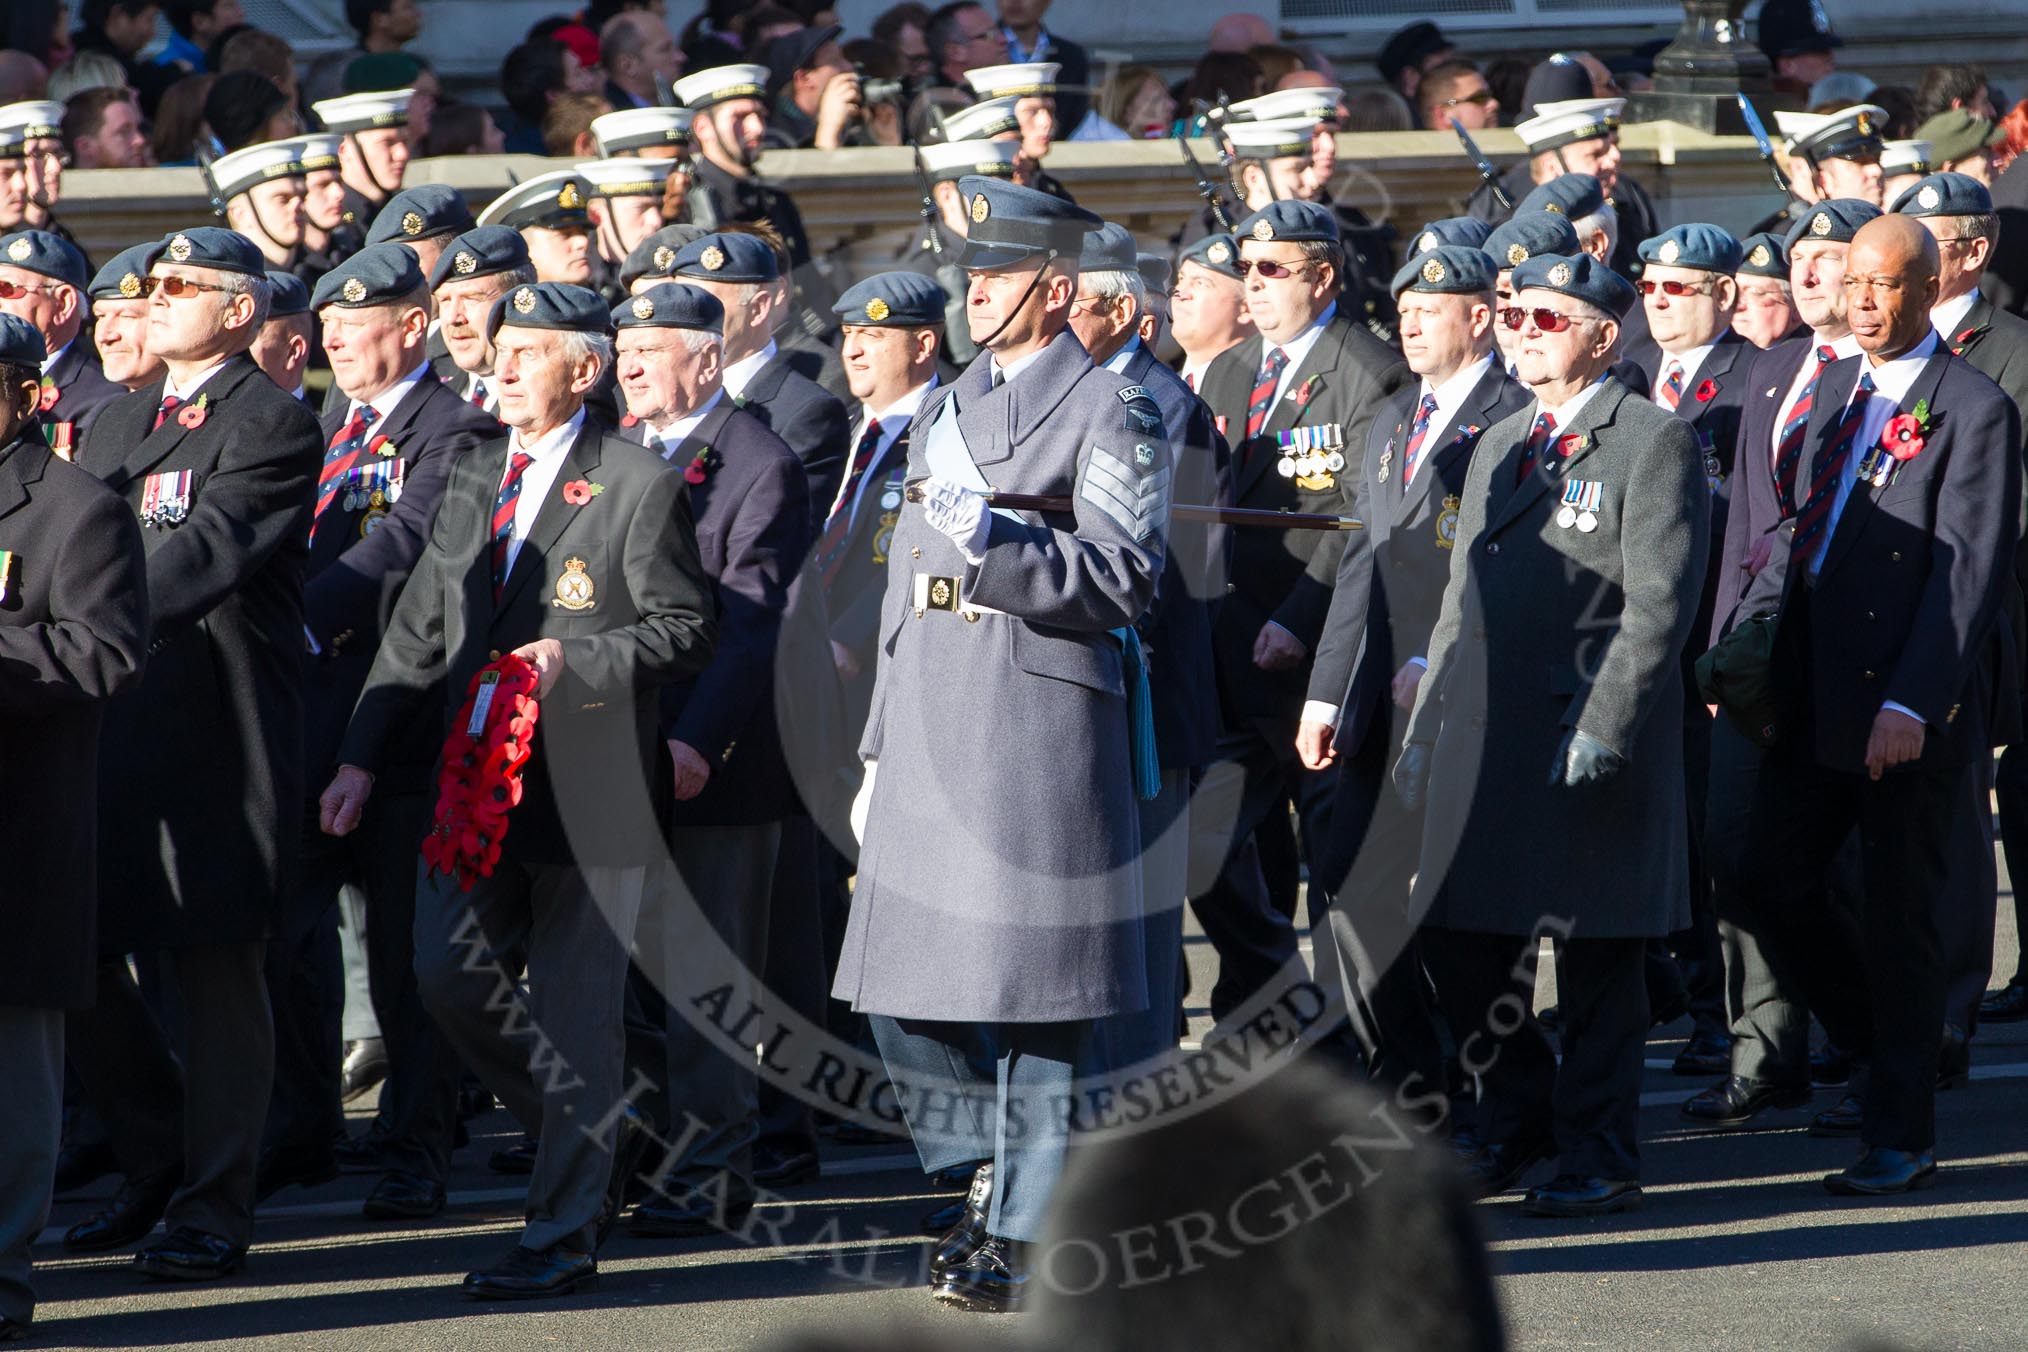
column 862, row 802
column 960, row 514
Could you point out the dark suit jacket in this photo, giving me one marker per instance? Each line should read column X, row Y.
column 1176, row 631
column 360, row 557
column 1912, row 579
column 82, row 393
column 73, row 633
column 1753, row 509
column 1391, row 578
column 811, row 420
column 1995, row 343
column 859, row 585
column 201, row 774
column 595, row 790
column 753, row 521
column 2006, row 280
column 1287, row 576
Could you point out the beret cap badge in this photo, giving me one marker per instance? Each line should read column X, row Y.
column 981, row 209
column 1820, row 224
column 179, row 249
column 1433, row 271
column 1560, row 275
column 876, row 310
column 1263, row 230
column 1517, row 254
column 664, row 257
column 1929, row 199
column 524, row 300
column 1220, row 252
column 130, row 286
column 354, row 290
column 713, row 258
column 19, row 250
column 1760, row 257
column 1669, row 252
column 466, row 263
column 643, row 308
column 412, row 223
column 1428, row 241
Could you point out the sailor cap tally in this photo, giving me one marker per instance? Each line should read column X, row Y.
column 946, row 161
column 641, row 129
column 364, row 112
column 1563, row 123
column 233, row 174
column 1027, row 79
column 722, row 84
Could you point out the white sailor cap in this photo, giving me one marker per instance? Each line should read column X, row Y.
column 233, row 174
column 983, row 121
column 627, row 177
column 1272, row 140
column 641, row 128
column 20, row 123
column 364, row 112
column 319, row 150
column 1907, row 157
column 1026, row 79
column 721, row 84
column 555, row 200
column 948, row 161
column 1560, row 124
column 1833, row 136
column 1316, row 104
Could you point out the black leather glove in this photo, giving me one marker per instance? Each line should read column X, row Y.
column 1411, row 775
column 1583, row 759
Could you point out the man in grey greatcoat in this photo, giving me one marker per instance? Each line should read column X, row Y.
column 1547, row 742
column 997, row 918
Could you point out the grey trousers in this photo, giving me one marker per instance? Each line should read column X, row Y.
column 549, row 1047
column 1165, row 866
column 202, row 1104
column 723, row 877
column 31, row 1120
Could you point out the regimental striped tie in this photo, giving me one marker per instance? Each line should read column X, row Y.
column 339, row 458
column 169, row 405
column 1789, row 445
column 1263, row 401
column 1538, row 441
column 831, row 544
column 503, row 517
column 1671, row 392
column 1411, row 455
column 478, row 394
column 1815, row 518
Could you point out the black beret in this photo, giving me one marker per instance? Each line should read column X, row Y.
column 655, row 256
column 124, row 275
column 210, row 246
column 379, row 274
column 551, row 305
column 1290, row 220
column 292, row 295
column 1447, row 270
column 1110, row 248
column 893, row 300
column 1835, row 221
column 1011, row 224
column 51, row 255
column 1945, row 195
column 425, row 211
column 728, row 257
column 671, row 305
column 1218, row 252
column 1520, row 237
column 1581, row 277
column 21, row 342
column 481, row 252
column 1575, row 195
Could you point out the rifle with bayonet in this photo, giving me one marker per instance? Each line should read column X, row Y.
column 1220, row 516
column 1766, row 144
column 1484, row 166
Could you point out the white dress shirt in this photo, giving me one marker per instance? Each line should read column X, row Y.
column 185, row 395
column 539, row 479
column 55, row 357
column 1692, row 362
column 1948, row 317
column 740, row 374
column 1193, row 375
column 893, row 420
column 1841, row 348
column 1008, row 370
column 384, row 403
column 1296, row 349
column 1567, row 413
column 671, row 434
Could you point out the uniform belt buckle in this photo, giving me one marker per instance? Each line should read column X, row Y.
column 935, row 593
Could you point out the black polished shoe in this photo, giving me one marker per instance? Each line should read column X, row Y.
column 958, row 1178
column 1881, row 1172
column 365, row 1066
column 80, row 1165
column 1954, row 1060
column 1704, row 1054
column 529, row 1274
column 294, row 1166
column 629, row 1145
column 784, row 1169
column 365, row 1153
column 1501, row 1166
column 189, row 1255
column 2009, row 1004
column 1844, row 1120
column 690, row 1213
column 1735, row 1101
column 403, row 1196
column 129, row 1216
column 964, row 1237
column 1830, row 1065
column 518, row 1158
column 992, row 1281
column 1573, row 1195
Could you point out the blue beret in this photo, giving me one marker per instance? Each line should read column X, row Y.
column 1157, row 272
column 208, row 246
column 481, row 252
column 1292, row 221
column 1834, row 221
column 1522, row 237
column 1469, row 231
column 51, row 255
column 671, row 305
column 1704, row 247
column 1448, row 270
column 1220, row 253
column 895, row 300
column 1011, row 223
column 1110, row 248
column 1943, row 195
column 655, row 256
column 379, row 274
column 124, row 275
column 426, row 211
column 20, row 342
column 551, row 305
column 1764, row 255
column 1575, row 195
column 292, row 295
column 727, row 257
column 1581, row 277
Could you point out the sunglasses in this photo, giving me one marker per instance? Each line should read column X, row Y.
column 176, row 288
column 1479, row 97
column 16, row 290
column 1272, row 271
column 1649, row 288
column 1549, row 321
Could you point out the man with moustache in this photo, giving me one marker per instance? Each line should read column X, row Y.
column 43, row 282
column 1207, row 305
column 474, row 270
column 425, row 218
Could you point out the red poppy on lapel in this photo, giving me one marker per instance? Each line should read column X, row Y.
column 1569, row 446
column 1707, row 391
column 628, row 420
column 580, row 491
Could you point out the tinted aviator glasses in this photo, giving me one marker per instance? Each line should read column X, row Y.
column 16, row 290
column 176, row 288
column 1272, row 271
column 1671, row 288
column 1549, row 321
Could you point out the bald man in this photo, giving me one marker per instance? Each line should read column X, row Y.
column 1889, row 580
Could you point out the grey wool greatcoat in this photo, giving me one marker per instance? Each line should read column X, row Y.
column 1545, row 629
column 998, row 873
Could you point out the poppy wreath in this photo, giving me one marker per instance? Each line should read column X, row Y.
column 480, row 779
